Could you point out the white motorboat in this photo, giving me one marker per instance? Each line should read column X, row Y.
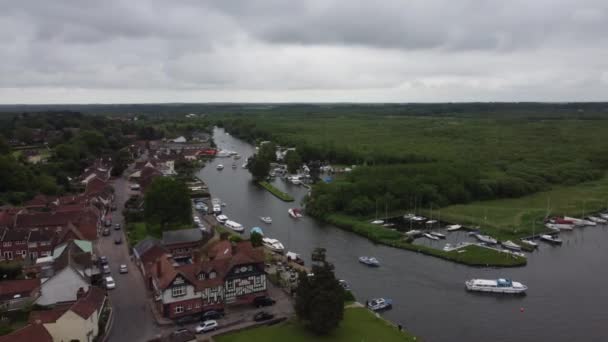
column 221, row 218
column 295, row 212
column 580, row 222
column 430, row 222
column 604, row 216
column 237, row 227
column 408, row 216
column 377, row 222
column 529, row 243
column 217, row 209
column 388, row 225
column 559, row 226
column 453, row 227
column 266, row 219
column 438, row 234
column 551, row 239
column 430, row 236
column 418, row 218
column 369, row 261
column 413, row 232
column 294, row 257
column 219, row 167
column 236, row 157
column 596, row 219
column 500, row 285
column 379, row 304
column 486, row 239
column 273, row 244
column 511, row 245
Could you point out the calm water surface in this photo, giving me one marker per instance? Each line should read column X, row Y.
column 568, row 292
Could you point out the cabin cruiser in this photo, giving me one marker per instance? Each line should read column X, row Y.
column 295, row 212
column 217, row 209
column 511, row 245
column 418, row 218
column 266, row 219
column 379, row 304
column 413, row 232
column 529, row 243
column 388, row 225
column 219, row 167
column 221, row 218
column 438, row 234
column 486, row 239
column 453, row 227
column 294, row 257
column 222, row 154
column 604, row 216
column 560, row 224
column 377, row 222
column 500, row 285
column 431, row 222
column 273, row 244
column 236, row 156
column 430, row 236
column 596, row 219
column 551, row 239
column 580, row 222
column 237, row 227
column 369, row 261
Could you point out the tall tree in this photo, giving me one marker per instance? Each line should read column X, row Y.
column 268, row 151
column 167, row 203
column 259, row 167
column 319, row 296
column 293, row 161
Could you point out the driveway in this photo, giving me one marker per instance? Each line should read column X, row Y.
column 133, row 320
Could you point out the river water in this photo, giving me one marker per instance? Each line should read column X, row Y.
column 567, row 298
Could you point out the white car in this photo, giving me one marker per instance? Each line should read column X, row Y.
column 134, row 187
column 206, row 326
column 110, row 284
column 123, row 269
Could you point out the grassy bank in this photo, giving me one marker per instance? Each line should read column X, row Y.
column 516, row 217
column 472, row 255
column 278, row 193
column 359, row 324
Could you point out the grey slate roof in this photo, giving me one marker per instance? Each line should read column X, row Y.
column 182, row 236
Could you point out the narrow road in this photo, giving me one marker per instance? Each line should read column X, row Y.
column 133, row 320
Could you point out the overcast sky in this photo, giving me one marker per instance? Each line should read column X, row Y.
column 74, row 51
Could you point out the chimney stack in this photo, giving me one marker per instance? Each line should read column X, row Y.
column 159, row 267
column 80, row 293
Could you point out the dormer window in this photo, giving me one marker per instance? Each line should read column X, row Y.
column 201, row 276
column 212, row 275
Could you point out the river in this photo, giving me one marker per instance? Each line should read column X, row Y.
column 566, row 301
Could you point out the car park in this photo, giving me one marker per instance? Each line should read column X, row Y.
column 123, row 269
column 110, row 284
column 206, row 326
column 263, row 301
column 213, row 314
column 262, row 316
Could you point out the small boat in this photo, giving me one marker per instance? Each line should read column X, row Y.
column 438, row 234
column 430, row 236
column 486, row 239
column 580, row 222
column 344, row 284
column 596, row 219
column 377, row 222
column 236, row 157
column 273, row 244
column 408, row 216
column 388, row 225
column 237, row 227
column 217, row 209
column 430, row 222
column 604, row 216
column 453, row 227
column 500, row 285
column 379, row 304
column 551, row 239
column 418, row 218
column 369, row 261
column 221, row 218
column 511, row 245
column 560, row 224
column 529, row 243
column 223, row 204
column 294, row 257
column 413, row 232
column 266, row 219
column 295, row 212
column 219, row 167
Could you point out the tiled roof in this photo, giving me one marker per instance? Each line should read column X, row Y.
column 90, row 302
column 23, row 287
column 29, row 333
column 182, row 236
column 16, row 235
column 49, row 316
column 40, row 235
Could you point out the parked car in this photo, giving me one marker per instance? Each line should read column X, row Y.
column 106, row 232
column 213, row 314
column 134, row 187
column 107, row 222
column 110, row 284
column 106, row 269
column 118, row 240
column 263, row 301
column 123, row 269
column 117, row 226
column 262, row 316
column 206, row 326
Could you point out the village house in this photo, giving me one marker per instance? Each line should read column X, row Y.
column 182, row 243
column 145, row 254
column 15, row 294
column 29, row 333
column 77, row 321
column 232, row 274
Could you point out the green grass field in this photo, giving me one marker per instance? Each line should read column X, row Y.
column 278, row 193
column 516, row 217
column 359, row 324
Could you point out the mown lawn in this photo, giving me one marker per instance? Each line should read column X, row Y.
column 278, row 193
column 359, row 324
column 517, row 217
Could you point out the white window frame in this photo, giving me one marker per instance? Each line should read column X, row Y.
column 179, row 309
column 178, row 291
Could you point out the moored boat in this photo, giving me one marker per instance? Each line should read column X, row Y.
column 418, row 218
column 529, row 243
column 453, row 227
column 604, row 216
column 486, row 239
column 430, row 222
column 221, row 218
column 295, row 212
column 596, row 219
column 551, row 239
column 377, row 222
column 430, row 236
column 500, row 285
column 413, row 232
column 379, row 304
column 219, row 167
column 266, row 219
column 511, row 245
column 580, row 222
column 369, row 261
column 237, row 227
column 273, row 244
column 294, row 257
column 438, row 234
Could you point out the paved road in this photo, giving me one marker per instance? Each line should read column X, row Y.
column 133, row 320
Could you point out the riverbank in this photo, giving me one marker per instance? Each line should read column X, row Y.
column 276, row 192
column 359, row 324
column 471, row 255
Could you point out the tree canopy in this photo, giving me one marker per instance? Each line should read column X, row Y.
column 293, row 161
column 167, row 203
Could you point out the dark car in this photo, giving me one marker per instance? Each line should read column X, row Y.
column 117, row 226
column 106, row 232
column 262, row 316
column 103, row 260
column 118, row 240
column 187, row 320
column 212, row 315
column 263, row 301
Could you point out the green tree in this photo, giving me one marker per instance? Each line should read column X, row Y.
column 4, row 146
column 120, row 162
column 319, row 296
column 256, row 239
column 293, row 161
column 258, row 167
column 167, row 203
column 268, row 151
